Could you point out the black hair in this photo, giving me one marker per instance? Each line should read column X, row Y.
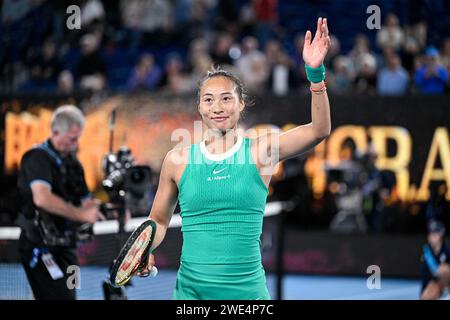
column 217, row 71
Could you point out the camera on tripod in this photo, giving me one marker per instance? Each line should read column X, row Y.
column 128, row 186
column 115, row 167
column 346, row 182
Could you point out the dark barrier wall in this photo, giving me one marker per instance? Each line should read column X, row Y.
column 328, row 253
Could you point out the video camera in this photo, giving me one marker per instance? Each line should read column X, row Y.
column 347, row 175
column 345, row 182
column 128, row 186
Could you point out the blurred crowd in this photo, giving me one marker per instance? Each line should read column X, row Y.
column 158, row 45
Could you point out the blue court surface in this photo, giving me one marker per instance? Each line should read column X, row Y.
column 13, row 285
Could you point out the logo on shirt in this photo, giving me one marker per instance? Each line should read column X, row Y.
column 215, row 178
column 218, row 171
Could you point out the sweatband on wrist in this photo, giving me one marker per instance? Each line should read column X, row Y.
column 315, row 75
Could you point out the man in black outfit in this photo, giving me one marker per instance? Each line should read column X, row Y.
column 435, row 269
column 55, row 207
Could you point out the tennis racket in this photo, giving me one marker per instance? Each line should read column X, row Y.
column 134, row 255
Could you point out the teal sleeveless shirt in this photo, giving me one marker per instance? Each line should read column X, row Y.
column 222, row 200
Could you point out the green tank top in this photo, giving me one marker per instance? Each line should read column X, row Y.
column 222, row 200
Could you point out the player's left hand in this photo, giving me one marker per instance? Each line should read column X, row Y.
column 314, row 51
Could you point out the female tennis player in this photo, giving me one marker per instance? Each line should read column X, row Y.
column 222, row 188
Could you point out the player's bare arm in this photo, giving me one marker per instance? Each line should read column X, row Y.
column 303, row 138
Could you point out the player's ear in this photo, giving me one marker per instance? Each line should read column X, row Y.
column 241, row 105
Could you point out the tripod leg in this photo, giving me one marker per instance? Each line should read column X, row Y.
column 112, row 293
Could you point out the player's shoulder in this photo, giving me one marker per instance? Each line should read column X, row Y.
column 177, row 156
column 262, row 138
column 178, row 151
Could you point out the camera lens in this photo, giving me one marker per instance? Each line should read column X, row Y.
column 136, row 175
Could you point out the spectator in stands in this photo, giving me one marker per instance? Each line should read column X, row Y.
column 182, row 12
column 252, row 65
column 227, row 19
column 360, row 52
column 340, row 79
column 175, row 81
column 445, row 54
column 333, row 54
column 221, row 50
column 59, row 11
column 199, row 61
column 92, row 15
column 431, row 77
column 93, row 21
column 393, row 79
column 192, row 20
column 131, row 17
column 45, row 67
column 391, row 34
column 146, row 75
column 266, row 13
column 272, row 51
column 283, row 73
column 415, row 41
column 65, row 83
column 146, row 21
column 366, row 76
column 411, row 56
column 335, row 50
column 91, row 67
column 14, row 10
column 435, row 267
column 247, row 19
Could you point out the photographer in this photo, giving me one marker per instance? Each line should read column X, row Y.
column 56, row 207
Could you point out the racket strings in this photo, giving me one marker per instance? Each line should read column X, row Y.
column 134, row 258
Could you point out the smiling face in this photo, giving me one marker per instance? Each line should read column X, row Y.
column 220, row 105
